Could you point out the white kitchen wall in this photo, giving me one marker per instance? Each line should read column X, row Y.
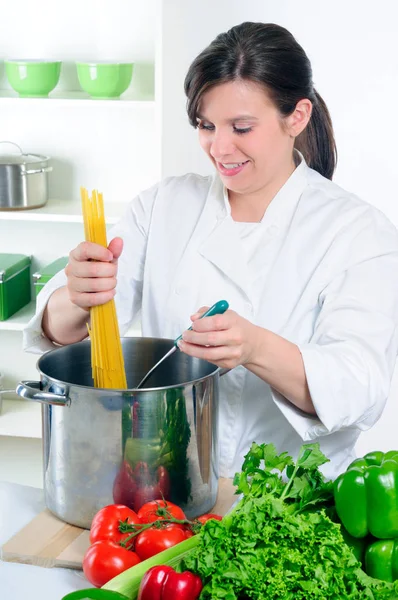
column 353, row 50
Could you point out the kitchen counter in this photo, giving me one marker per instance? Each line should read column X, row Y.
column 18, row 505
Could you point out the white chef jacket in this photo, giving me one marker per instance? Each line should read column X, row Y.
column 325, row 278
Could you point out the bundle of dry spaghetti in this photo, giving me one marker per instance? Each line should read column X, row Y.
column 106, row 350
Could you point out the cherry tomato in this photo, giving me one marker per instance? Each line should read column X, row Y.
column 105, row 559
column 105, row 524
column 189, row 533
column 158, row 510
column 204, row 518
column 155, row 540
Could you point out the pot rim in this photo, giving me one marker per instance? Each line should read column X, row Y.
column 128, row 390
column 6, row 160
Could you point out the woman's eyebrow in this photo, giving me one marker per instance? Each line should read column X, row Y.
column 233, row 120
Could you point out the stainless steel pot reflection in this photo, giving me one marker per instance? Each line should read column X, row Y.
column 104, row 446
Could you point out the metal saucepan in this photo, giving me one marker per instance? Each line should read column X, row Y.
column 105, row 446
column 23, row 180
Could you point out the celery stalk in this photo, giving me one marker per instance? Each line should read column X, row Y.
column 128, row 582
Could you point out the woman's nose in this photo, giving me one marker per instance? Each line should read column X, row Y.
column 222, row 145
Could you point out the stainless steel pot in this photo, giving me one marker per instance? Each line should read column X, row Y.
column 23, row 180
column 105, row 446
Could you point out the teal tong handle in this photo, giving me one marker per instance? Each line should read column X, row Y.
column 218, row 308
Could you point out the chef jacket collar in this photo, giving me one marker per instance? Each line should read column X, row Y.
column 285, row 200
column 223, row 245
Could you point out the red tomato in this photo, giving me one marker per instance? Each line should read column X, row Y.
column 105, row 524
column 155, row 540
column 104, row 560
column 158, row 510
column 188, row 533
column 204, row 518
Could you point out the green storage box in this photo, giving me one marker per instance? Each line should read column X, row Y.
column 14, row 283
column 41, row 277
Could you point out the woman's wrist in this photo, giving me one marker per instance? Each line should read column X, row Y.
column 64, row 322
column 278, row 361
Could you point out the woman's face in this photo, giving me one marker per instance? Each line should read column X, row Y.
column 242, row 132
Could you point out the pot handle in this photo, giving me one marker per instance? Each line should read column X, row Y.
column 33, row 171
column 31, row 391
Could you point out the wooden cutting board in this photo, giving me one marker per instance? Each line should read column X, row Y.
column 49, row 542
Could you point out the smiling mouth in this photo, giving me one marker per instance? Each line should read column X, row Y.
column 232, row 165
column 230, row 169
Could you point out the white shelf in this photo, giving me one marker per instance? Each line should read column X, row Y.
column 18, row 321
column 21, row 418
column 76, row 98
column 62, row 211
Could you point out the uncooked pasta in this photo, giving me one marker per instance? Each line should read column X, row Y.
column 106, row 350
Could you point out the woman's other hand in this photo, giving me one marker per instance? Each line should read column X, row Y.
column 227, row 340
column 91, row 273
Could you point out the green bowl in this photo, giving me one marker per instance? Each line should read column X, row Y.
column 33, row 78
column 104, row 80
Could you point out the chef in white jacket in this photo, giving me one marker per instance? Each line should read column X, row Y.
column 309, row 270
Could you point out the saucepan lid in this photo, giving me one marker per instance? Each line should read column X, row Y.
column 19, row 158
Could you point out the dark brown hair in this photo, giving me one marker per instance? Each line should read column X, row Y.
column 267, row 54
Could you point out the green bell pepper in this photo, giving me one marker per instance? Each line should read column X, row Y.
column 357, row 545
column 381, row 560
column 366, row 496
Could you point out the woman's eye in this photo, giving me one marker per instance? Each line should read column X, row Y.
column 206, row 126
column 240, row 130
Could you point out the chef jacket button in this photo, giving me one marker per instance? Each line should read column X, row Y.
column 178, row 291
column 249, row 306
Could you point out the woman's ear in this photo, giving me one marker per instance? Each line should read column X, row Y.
column 298, row 120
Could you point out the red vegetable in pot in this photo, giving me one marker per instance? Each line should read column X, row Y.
column 135, row 487
column 156, row 539
column 105, row 559
column 125, row 486
column 164, row 583
column 163, row 479
column 105, row 524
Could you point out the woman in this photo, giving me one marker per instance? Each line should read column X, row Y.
column 309, row 270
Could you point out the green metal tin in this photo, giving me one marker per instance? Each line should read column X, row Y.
column 14, row 283
column 46, row 273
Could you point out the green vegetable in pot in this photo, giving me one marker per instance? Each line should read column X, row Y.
column 366, row 496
